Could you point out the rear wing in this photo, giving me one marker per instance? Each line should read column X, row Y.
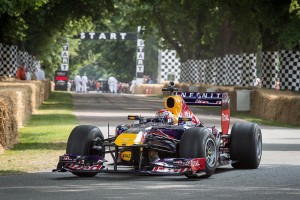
column 210, row 99
column 177, row 105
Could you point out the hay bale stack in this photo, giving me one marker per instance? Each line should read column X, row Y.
column 37, row 95
column 282, row 106
column 144, row 89
column 47, row 89
column 20, row 102
column 8, row 124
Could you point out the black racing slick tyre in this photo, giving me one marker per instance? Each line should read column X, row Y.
column 199, row 143
column 245, row 145
column 81, row 142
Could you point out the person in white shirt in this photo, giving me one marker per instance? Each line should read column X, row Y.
column 40, row 73
column 113, row 84
column 77, row 81
column 84, row 81
column 133, row 84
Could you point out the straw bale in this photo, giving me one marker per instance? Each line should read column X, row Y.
column 35, row 88
column 8, row 124
column 47, row 88
column 282, row 106
column 21, row 103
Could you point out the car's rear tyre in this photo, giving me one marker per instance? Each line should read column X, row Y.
column 199, row 143
column 245, row 145
column 81, row 142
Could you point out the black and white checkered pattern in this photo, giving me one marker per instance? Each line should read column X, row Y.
column 201, row 70
column 289, row 74
column 22, row 57
column 0, row 58
column 184, row 72
column 233, row 74
column 248, row 69
column 237, row 70
column 269, row 65
column 210, row 71
column 9, row 60
column 169, row 65
column 221, row 68
column 193, row 72
column 32, row 64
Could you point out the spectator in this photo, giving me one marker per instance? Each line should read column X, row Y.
column 69, row 86
column 40, row 73
column 21, row 72
column 132, row 87
column 28, row 75
column 149, row 81
column 277, row 84
column 84, row 81
column 113, row 84
column 120, row 87
column 257, row 82
column 77, row 81
column 98, row 86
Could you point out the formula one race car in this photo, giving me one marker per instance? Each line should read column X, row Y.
column 174, row 142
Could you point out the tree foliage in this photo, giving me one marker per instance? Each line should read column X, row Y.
column 196, row 29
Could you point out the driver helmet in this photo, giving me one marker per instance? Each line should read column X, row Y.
column 166, row 115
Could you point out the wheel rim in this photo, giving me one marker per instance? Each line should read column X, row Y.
column 259, row 146
column 210, row 152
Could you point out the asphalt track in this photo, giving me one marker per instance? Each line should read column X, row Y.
column 278, row 176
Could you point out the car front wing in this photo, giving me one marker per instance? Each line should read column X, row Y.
column 166, row 166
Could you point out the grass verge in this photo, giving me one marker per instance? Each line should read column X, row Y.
column 43, row 138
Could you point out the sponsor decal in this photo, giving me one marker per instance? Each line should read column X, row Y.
column 126, row 155
column 225, row 117
column 197, row 164
column 82, row 167
column 67, row 158
column 197, row 95
column 170, row 170
column 186, row 112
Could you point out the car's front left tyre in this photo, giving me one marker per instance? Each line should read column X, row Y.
column 81, row 142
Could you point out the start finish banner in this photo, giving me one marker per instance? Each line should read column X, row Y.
column 106, row 36
column 121, row 36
